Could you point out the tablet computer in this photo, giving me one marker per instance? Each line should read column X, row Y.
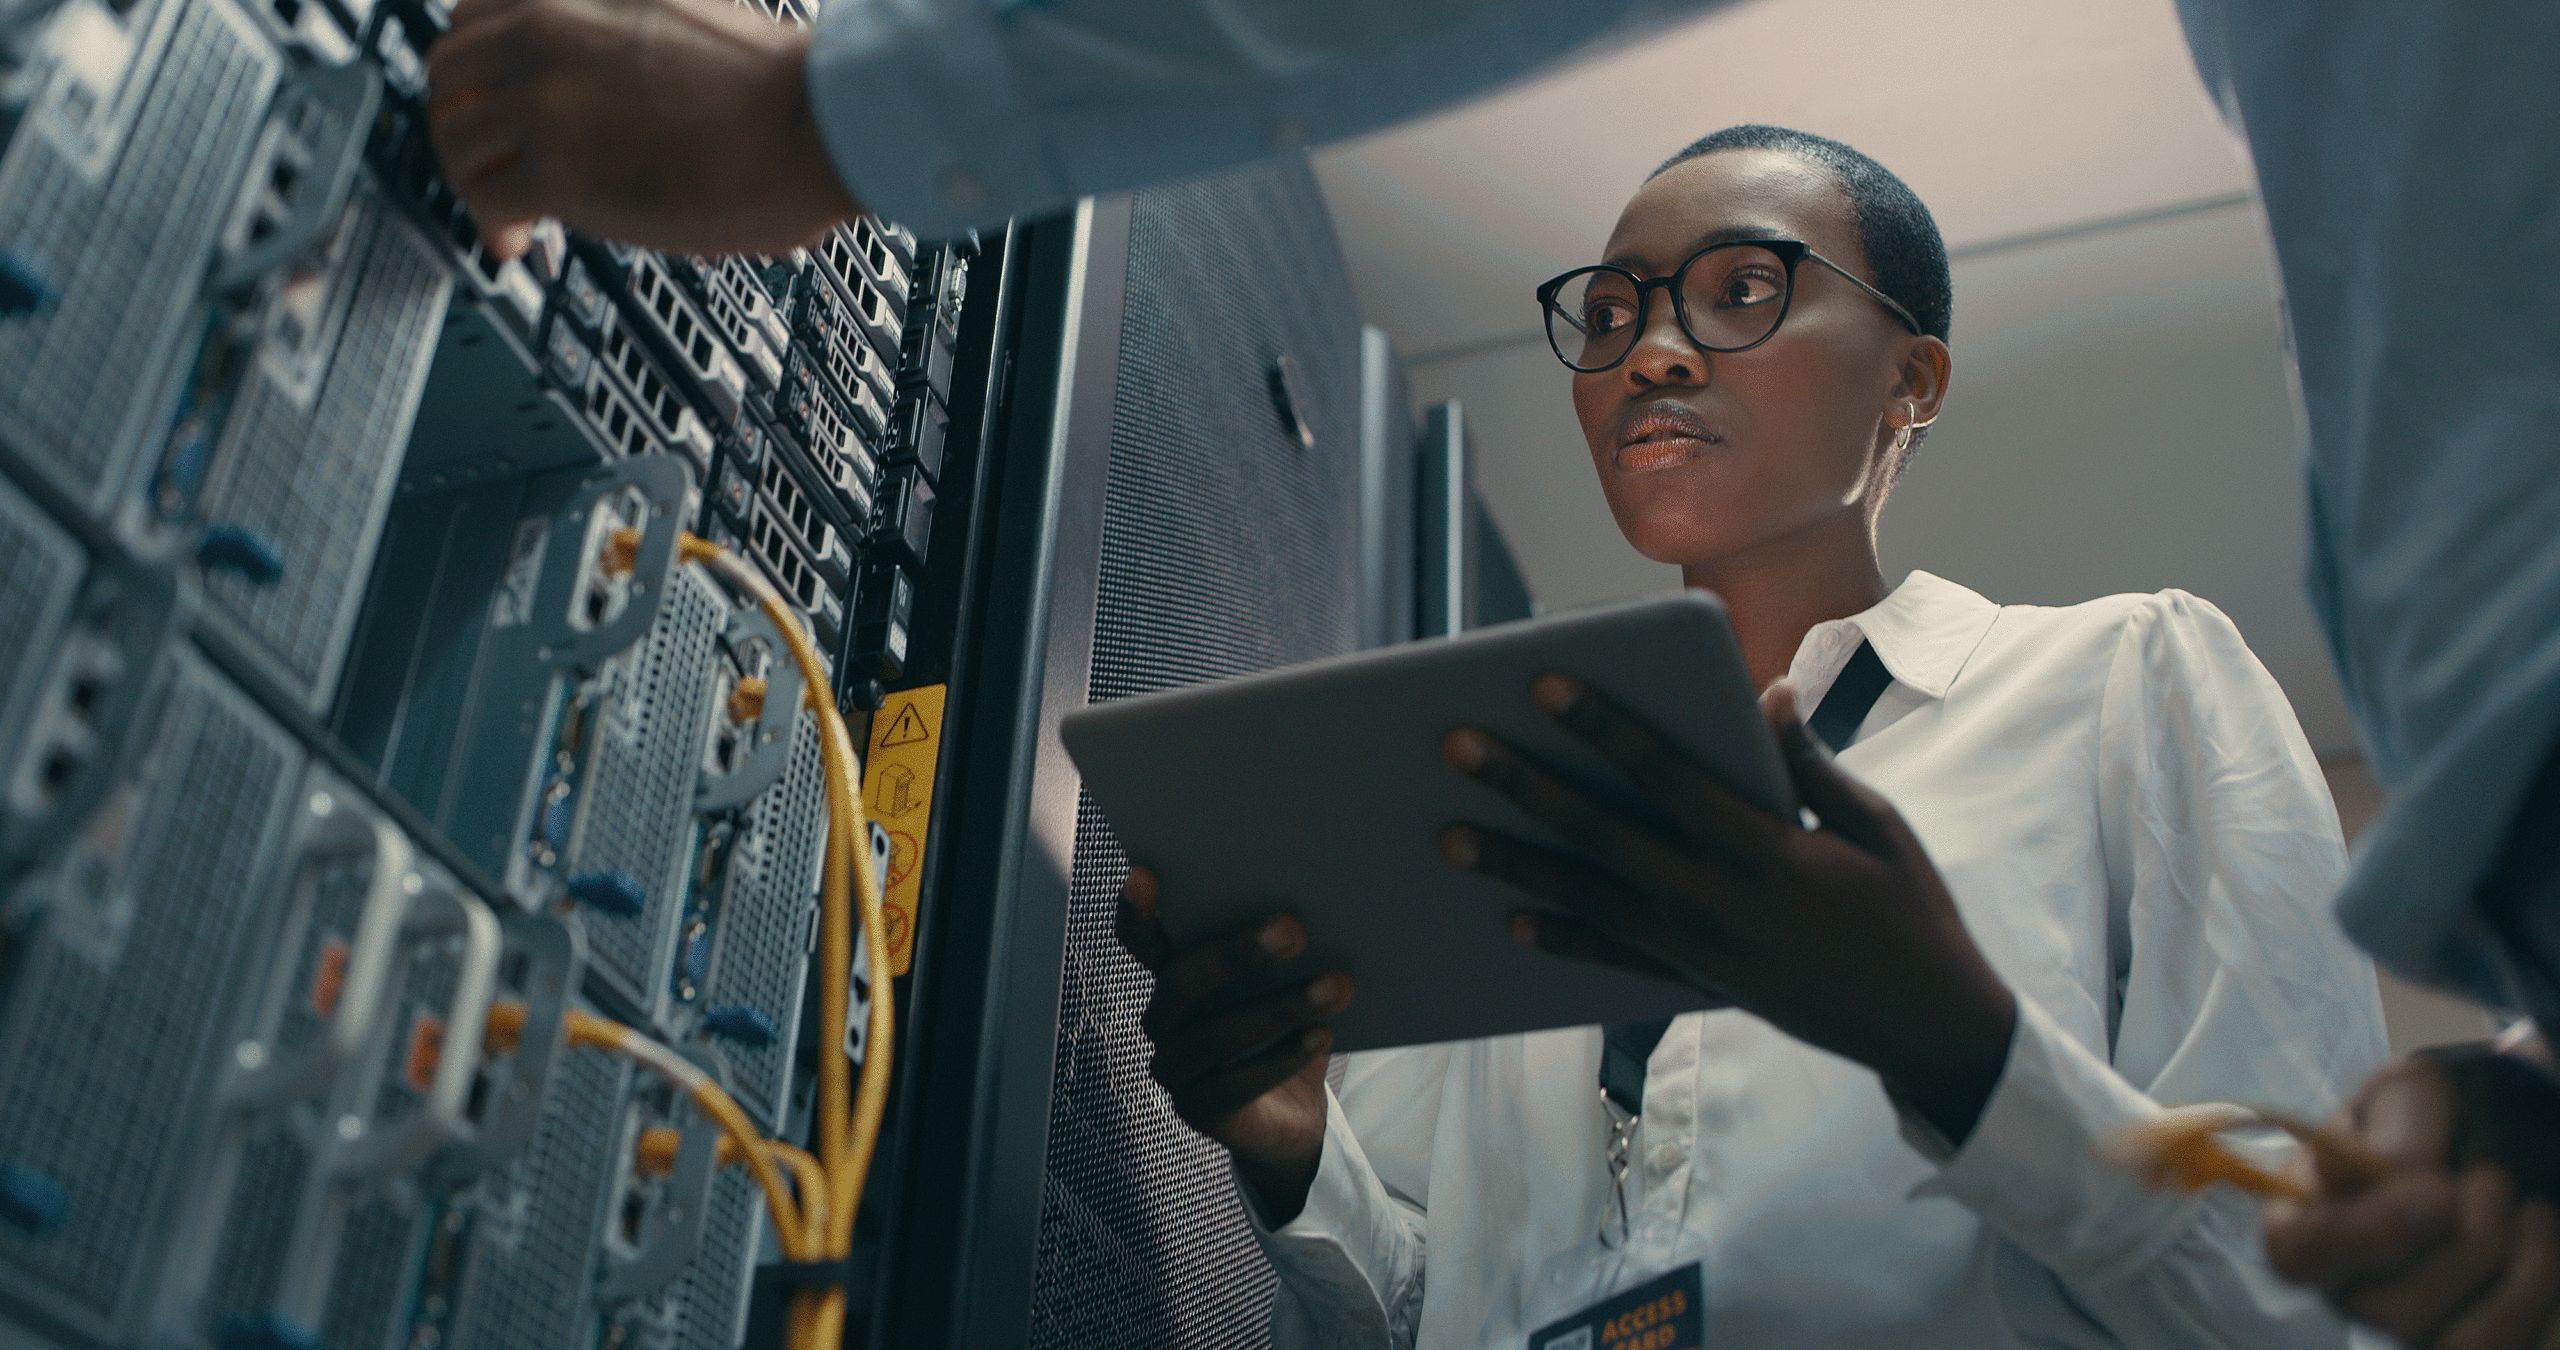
column 1319, row 790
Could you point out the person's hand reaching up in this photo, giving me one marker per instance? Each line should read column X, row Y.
column 673, row 124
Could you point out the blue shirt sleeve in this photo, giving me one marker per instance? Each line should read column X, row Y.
column 946, row 115
column 2403, row 155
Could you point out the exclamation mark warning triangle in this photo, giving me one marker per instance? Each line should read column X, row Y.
column 905, row 729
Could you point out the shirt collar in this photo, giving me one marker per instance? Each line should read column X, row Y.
column 1924, row 632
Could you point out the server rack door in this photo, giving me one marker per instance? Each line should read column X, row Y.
column 1181, row 502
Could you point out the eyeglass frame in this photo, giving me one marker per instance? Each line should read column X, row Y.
column 1791, row 252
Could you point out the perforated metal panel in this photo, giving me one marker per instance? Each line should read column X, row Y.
column 369, row 1278
column 315, row 478
column 377, row 1253
column 1226, row 548
column 258, row 1221
column 274, row 1166
column 125, row 249
column 527, row 1276
column 639, row 789
column 103, row 1071
column 710, row 1295
column 39, row 573
column 759, row 959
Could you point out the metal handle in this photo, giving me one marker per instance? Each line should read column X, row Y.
column 346, row 97
column 436, row 913
column 663, row 480
column 777, row 723
column 336, row 832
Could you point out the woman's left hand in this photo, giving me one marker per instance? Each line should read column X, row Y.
column 1842, row 936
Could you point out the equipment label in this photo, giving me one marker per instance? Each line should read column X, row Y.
column 1665, row 1313
column 897, row 786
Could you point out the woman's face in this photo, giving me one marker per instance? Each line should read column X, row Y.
column 1708, row 455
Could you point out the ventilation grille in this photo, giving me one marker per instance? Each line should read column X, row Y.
column 125, row 253
column 525, row 1280
column 316, row 480
column 1226, row 548
column 256, row 1233
column 764, row 919
column 365, row 1293
column 102, row 1072
column 39, row 571
column 712, row 1288
column 639, row 789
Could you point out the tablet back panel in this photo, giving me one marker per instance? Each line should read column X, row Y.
column 1320, row 790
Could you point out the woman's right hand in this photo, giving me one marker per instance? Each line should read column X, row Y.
column 1250, row 1076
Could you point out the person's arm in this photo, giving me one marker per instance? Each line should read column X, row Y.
column 1351, row 1261
column 2233, row 984
column 949, row 114
column 2447, row 1235
column 1347, row 1245
column 2238, row 986
column 694, row 125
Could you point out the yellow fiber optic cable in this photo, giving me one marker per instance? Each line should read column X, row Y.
column 850, row 889
column 587, row 1029
column 796, row 1225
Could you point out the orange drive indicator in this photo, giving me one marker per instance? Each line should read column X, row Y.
column 426, row 1050
column 897, row 786
column 329, row 976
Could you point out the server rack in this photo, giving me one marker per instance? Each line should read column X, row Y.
column 362, row 727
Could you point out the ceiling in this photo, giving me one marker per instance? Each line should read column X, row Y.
column 2004, row 115
column 2121, row 415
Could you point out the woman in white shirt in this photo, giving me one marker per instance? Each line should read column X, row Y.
column 2132, row 848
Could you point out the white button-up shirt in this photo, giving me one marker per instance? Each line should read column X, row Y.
column 2137, row 836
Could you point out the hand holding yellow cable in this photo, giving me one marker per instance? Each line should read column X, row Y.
column 2178, row 1151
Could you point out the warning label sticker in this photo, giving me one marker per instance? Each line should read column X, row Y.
column 897, row 791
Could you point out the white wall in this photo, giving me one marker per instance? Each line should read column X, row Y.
column 2121, row 416
column 2120, row 419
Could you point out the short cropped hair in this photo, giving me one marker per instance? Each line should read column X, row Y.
column 1897, row 233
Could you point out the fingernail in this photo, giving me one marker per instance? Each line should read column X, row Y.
column 1554, row 694
column 1464, row 749
column 1458, row 846
column 1278, row 937
column 1323, row 990
column 1524, row 930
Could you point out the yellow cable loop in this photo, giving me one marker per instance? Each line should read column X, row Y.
column 850, row 886
column 585, row 1028
column 811, row 1181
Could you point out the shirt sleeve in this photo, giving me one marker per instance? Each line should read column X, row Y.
column 946, row 115
column 1351, row 1262
column 2232, row 984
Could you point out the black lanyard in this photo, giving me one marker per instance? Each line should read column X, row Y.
column 1625, row 1046
column 1853, row 695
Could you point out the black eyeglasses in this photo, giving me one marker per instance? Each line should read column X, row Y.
column 1728, row 297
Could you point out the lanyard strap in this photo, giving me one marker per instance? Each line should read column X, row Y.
column 1853, row 695
column 1625, row 1046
